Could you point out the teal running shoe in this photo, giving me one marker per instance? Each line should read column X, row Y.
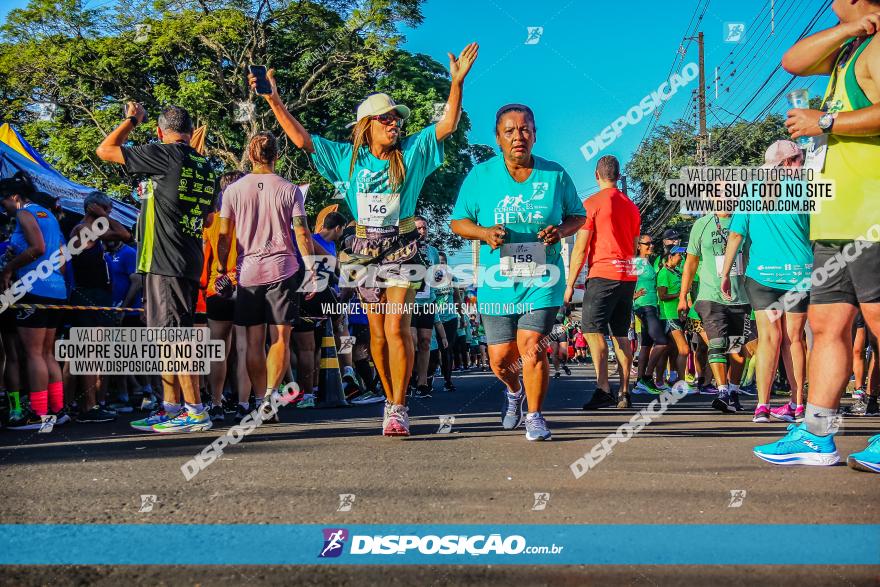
column 867, row 460
column 799, row 447
column 157, row 416
column 185, row 421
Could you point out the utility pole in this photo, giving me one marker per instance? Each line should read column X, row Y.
column 702, row 147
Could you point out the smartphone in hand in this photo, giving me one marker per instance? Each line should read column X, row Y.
column 264, row 88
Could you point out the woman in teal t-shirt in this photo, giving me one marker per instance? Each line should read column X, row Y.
column 520, row 206
column 381, row 173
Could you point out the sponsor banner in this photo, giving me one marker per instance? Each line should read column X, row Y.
column 474, row 544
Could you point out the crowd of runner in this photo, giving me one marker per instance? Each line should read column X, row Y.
column 732, row 305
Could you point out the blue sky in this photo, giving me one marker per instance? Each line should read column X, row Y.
column 596, row 59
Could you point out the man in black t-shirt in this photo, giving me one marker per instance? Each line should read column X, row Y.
column 177, row 195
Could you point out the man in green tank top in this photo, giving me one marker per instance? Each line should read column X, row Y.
column 846, row 231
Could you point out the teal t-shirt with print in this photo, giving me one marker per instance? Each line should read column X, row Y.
column 708, row 243
column 490, row 196
column 367, row 192
column 647, row 280
column 778, row 246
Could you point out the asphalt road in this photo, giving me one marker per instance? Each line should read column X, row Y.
column 681, row 469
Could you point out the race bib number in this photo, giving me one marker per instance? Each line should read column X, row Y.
column 523, row 260
column 815, row 158
column 378, row 210
column 736, row 269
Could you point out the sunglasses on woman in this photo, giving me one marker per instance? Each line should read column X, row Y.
column 388, row 119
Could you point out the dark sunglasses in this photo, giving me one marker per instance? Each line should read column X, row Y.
column 651, row 244
column 388, row 119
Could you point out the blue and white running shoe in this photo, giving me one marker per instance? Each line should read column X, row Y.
column 867, row 460
column 799, row 447
column 536, row 427
column 512, row 412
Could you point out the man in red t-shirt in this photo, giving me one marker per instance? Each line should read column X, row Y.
column 607, row 242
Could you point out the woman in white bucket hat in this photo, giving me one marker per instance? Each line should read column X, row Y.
column 381, row 174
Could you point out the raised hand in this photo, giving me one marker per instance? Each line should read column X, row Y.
column 459, row 68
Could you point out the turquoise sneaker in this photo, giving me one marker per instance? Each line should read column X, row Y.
column 867, row 460
column 185, row 421
column 799, row 447
column 157, row 416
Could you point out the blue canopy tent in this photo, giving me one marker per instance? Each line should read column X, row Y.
column 17, row 155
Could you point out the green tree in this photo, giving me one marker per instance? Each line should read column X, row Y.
column 328, row 56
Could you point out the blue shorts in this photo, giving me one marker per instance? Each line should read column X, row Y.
column 502, row 329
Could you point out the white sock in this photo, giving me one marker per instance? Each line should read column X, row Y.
column 792, row 405
column 171, row 408
column 245, row 405
column 733, row 387
column 723, row 389
column 764, row 406
column 195, row 408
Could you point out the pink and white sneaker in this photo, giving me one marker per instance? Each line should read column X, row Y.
column 762, row 415
column 799, row 414
column 784, row 412
column 397, row 423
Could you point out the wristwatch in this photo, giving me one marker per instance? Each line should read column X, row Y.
column 826, row 121
column 134, row 120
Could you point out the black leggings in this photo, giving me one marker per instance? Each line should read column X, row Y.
column 653, row 329
column 446, row 355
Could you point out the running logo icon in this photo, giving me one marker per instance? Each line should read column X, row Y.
column 733, row 32
column 147, row 503
column 534, row 35
column 737, row 497
column 346, row 500
column 541, row 501
column 334, row 541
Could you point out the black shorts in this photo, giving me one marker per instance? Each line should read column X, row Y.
column 762, row 297
column 273, row 303
column 853, row 278
column 169, row 301
column 422, row 320
column 653, row 328
column 722, row 320
column 220, row 309
column 34, row 318
column 607, row 306
column 90, row 296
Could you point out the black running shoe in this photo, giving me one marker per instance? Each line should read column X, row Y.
column 557, row 375
column 25, row 420
column 240, row 413
column 858, row 407
column 448, row 387
column 566, row 369
column 96, row 415
column 61, row 416
column 600, row 399
column 217, row 414
column 734, row 400
column 872, row 409
column 422, row 392
column 624, row 401
column 723, row 403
